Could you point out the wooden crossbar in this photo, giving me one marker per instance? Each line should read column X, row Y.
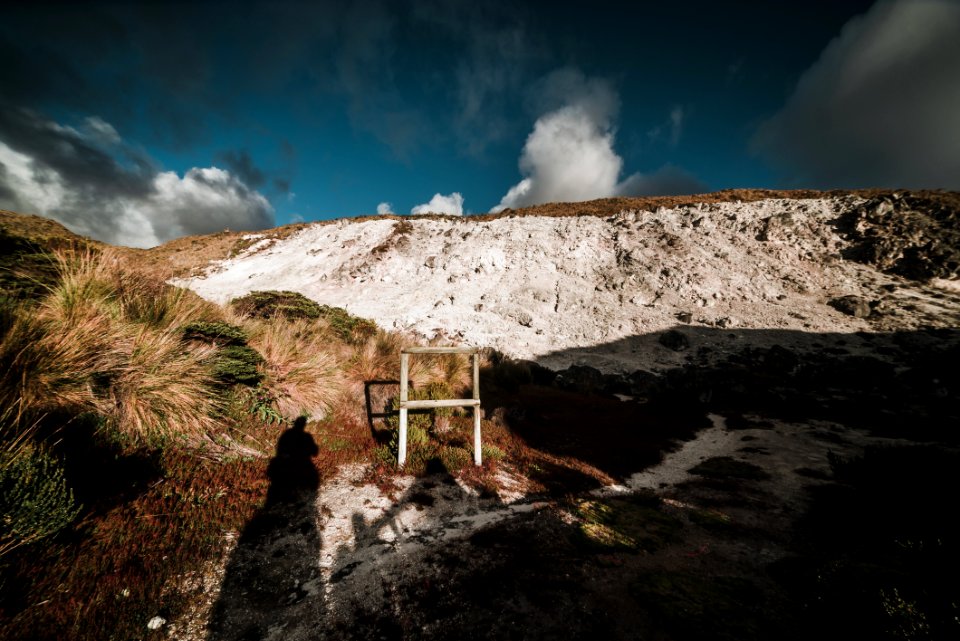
column 446, row 402
column 406, row 404
column 439, row 350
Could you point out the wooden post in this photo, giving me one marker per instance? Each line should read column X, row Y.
column 406, row 404
column 404, row 376
column 476, row 410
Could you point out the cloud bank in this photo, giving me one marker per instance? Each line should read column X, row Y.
column 569, row 156
column 440, row 204
column 384, row 208
column 881, row 107
column 97, row 185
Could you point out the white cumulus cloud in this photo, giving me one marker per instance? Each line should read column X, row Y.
column 384, row 208
column 203, row 201
column 440, row 204
column 90, row 180
column 569, row 155
column 881, row 106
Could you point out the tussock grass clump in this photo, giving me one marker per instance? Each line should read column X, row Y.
column 97, row 344
column 28, row 265
column 299, row 365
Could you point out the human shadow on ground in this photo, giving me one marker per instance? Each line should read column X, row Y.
column 274, row 566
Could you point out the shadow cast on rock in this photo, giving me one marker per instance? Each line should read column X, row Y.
column 898, row 383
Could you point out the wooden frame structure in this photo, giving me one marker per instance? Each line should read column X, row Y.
column 407, row 404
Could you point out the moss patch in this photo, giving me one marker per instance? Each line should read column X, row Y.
column 634, row 523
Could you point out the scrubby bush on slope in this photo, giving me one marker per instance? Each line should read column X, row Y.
column 291, row 305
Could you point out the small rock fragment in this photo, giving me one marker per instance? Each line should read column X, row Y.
column 156, row 623
column 852, row 306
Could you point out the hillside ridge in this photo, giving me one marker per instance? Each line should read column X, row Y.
column 541, row 287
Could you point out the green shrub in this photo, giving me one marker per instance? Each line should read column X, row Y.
column 491, row 452
column 35, row 501
column 421, row 419
column 216, row 332
column 348, row 327
column 235, row 362
column 238, row 364
column 262, row 406
column 291, row 305
column 455, row 459
column 267, row 304
column 420, row 448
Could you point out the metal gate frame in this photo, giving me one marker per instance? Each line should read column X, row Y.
column 406, row 404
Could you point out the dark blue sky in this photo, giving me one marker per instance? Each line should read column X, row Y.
column 141, row 122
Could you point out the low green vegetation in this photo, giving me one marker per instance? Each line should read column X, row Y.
column 269, row 304
column 215, row 332
column 35, row 500
column 634, row 523
column 292, row 305
column 423, row 441
column 878, row 552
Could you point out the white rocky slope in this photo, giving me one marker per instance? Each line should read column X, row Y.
column 565, row 290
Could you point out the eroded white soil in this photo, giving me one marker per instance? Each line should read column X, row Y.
column 544, row 288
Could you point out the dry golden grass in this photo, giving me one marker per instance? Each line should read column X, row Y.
column 300, row 369
column 101, row 343
column 163, row 389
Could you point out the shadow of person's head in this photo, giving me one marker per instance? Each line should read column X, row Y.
column 292, row 472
